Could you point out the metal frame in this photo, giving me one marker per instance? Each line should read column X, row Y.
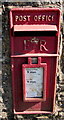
column 42, row 65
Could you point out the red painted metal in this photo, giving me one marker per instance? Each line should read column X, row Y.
column 30, row 65
column 35, row 28
column 34, row 33
column 35, row 55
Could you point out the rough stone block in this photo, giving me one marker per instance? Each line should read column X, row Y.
column 61, row 113
column 33, row 1
column 42, row 118
column 63, row 28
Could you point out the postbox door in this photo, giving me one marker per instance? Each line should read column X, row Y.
column 34, row 34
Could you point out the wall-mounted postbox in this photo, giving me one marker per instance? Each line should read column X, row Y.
column 34, row 36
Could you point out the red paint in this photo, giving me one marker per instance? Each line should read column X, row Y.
column 35, row 28
column 34, row 32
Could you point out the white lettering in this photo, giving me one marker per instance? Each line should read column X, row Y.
column 28, row 16
column 46, row 18
column 49, row 18
column 52, row 17
column 43, row 17
column 24, row 18
column 16, row 18
column 20, row 18
column 36, row 18
column 39, row 18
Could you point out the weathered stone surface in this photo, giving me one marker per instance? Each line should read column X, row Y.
column 42, row 118
column 53, row 1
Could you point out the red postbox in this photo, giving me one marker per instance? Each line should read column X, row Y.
column 34, row 36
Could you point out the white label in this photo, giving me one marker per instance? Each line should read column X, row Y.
column 34, row 82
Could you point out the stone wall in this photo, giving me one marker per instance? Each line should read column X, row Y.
column 6, row 112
